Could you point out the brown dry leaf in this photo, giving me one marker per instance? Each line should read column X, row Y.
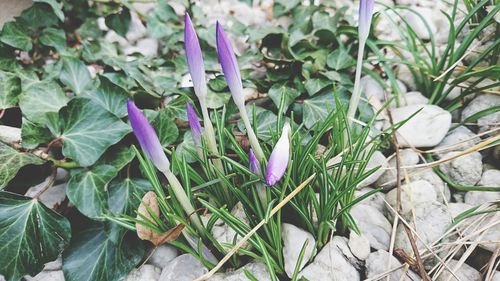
column 144, row 232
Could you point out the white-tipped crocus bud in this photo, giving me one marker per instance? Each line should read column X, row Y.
column 147, row 137
column 194, row 59
column 365, row 18
column 254, row 163
column 194, row 124
column 278, row 162
column 227, row 60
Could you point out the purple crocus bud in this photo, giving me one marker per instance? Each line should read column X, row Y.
column 227, row 60
column 147, row 137
column 194, row 58
column 365, row 18
column 254, row 163
column 194, row 124
column 278, row 161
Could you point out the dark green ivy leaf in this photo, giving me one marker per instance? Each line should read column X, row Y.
column 340, row 59
column 33, row 135
column 39, row 98
column 16, row 36
column 53, row 37
column 165, row 128
column 125, row 194
column 119, row 22
column 30, row 235
column 11, row 161
column 110, row 96
column 10, row 88
column 56, row 7
column 279, row 92
column 75, row 75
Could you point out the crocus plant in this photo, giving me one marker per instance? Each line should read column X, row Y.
column 365, row 19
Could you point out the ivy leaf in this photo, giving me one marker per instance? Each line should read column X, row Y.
column 30, row 235
column 119, row 22
column 33, row 135
column 56, row 7
column 10, row 88
column 125, row 194
column 75, row 75
column 340, row 59
column 278, row 92
column 217, row 100
column 87, row 189
column 117, row 156
column 39, row 98
column 11, row 161
column 53, row 37
column 94, row 255
column 87, row 130
column 165, row 128
column 110, row 96
column 265, row 122
column 37, row 16
column 16, row 36
column 313, row 86
column 316, row 109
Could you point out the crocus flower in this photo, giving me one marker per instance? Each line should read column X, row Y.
column 278, row 161
column 365, row 18
column 147, row 137
column 229, row 65
column 227, row 60
column 254, row 163
column 194, row 59
column 194, row 124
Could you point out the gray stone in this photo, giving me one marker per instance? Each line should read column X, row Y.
column 464, row 170
column 481, row 103
column 162, row 256
column 376, row 200
column 459, row 139
column 442, row 191
column 10, row 134
column 136, row 30
column 146, row 272
column 377, row 159
column 56, row 275
column 224, row 234
column 11, row 9
column 431, row 221
column 418, row 24
column 359, row 245
column 332, row 263
column 464, row 272
column 490, row 178
column 412, row 195
column 425, row 129
column 410, row 98
column 376, row 90
column 257, row 269
column 294, row 239
column 380, row 262
column 408, row 157
column 183, row 268
column 373, row 225
column 148, row 47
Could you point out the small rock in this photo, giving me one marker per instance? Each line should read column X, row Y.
column 431, row 221
column 404, row 74
column 331, row 263
column 425, row 129
column 481, row 103
column 453, row 94
column 490, row 178
column 463, row 272
column 375, row 89
column 224, row 234
column 496, row 276
column 410, row 98
column 408, row 157
column 373, row 225
column 442, row 191
column 148, row 47
column 459, row 139
column 294, row 239
column 52, row 196
column 412, row 194
column 136, row 29
column 57, row 275
column 418, row 24
column 10, row 134
column 183, row 268
column 163, row 255
column 146, row 272
column 376, row 200
column 257, row 269
column 53, row 265
column 143, row 8
column 464, row 170
column 359, row 245
column 113, row 37
column 377, row 159
column 378, row 263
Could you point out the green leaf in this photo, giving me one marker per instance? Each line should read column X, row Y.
column 75, row 75
column 165, row 128
column 277, row 92
column 33, row 135
column 39, row 98
column 30, row 235
column 87, row 189
column 117, row 156
column 56, row 7
column 110, row 96
column 53, row 37
column 87, row 130
column 283, row 6
column 265, row 119
column 125, row 194
column 313, row 86
column 340, row 59
column 11, row 161
column 93, row 255
column 10, row 88
column 217, row 100
column 119, row 22
column 16, row 36
column 316, row 109
column 37, row 16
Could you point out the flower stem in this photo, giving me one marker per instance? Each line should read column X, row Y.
column 183, row 199
column 356, row 93
column 254, row 142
